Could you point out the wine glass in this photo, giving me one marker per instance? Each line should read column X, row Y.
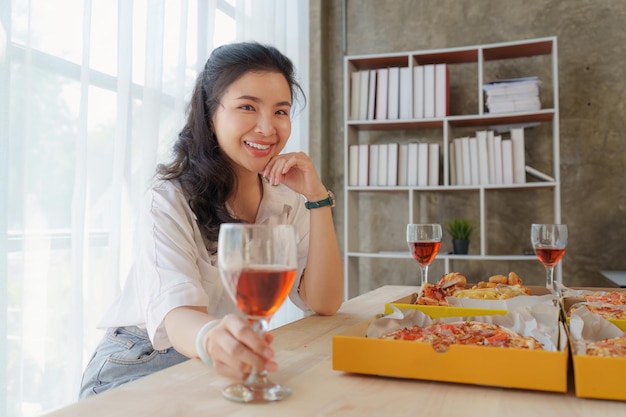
column 424, row 241
column 258, row 266
column 549, row 241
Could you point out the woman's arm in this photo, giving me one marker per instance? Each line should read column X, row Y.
column 321, row 287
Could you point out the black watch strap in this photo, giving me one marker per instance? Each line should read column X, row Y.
column 330, row 201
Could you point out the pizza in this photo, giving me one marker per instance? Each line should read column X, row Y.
column 615, row 346
column 614, row 297
column 608, row 311
column 442, row 335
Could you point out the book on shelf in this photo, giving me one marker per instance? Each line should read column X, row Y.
column 539, row 174
column 355, row 84
column 422, row 164
column 393, row 94
column 353, row 165
column 382, row 89
column 392, row 164
column 403, row 155
column 411, row 166
column 474, row 171
column 405, row 93
column 433, row 164
column 363, row 164
column 467, row 163
column 418, row 92
column 491, row 157
column 372, row 97
column 519, row 155
column 442, row 90
column 364, row 78
column 373, row 165
column 452, row 163
column 458, row 161
column 429, row 91
column 382, row 164
column 507, row 161
column 483, row 157
column 497, row 140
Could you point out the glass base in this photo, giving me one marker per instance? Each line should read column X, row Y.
column 243, row 393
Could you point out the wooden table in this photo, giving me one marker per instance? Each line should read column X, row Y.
column 304, row 355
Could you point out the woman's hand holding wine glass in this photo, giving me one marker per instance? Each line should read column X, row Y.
column 258, row 265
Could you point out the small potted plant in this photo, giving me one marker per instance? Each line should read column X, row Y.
column 460, row 229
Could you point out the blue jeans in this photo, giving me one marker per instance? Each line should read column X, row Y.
column 123, row 355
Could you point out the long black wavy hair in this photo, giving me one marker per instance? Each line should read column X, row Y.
column 198, row 164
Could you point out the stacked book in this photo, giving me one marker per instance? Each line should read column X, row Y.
column 513, row 95
column 400, row 93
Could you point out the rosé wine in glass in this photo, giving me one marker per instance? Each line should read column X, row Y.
column 424, row 241
column 549, row 242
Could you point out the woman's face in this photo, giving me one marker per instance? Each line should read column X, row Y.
column 253, row 122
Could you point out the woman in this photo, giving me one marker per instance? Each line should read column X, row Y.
column 226, row 167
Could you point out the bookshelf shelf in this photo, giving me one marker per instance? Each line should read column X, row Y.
column 481, row 63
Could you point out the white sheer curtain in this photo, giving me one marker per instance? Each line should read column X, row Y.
column 92, row 95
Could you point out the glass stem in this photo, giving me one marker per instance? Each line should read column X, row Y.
column 553, row 286
column 258, row 380
column 424, row 275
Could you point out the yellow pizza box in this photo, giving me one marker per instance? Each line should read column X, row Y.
column 479, row 365
column 478, row 308
column 568, row 302
column 599, row 377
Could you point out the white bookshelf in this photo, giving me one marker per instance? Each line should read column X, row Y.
column 478, row 60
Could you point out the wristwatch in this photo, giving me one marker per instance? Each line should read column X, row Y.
column 330, row 201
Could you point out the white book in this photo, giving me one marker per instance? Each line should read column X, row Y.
column 507, row 161
column 382, row 88
column 353, row 165
column 373, row 170
column 429, row 91
column 392, row 164
column 474, row 171
column 433, row 164
column 467, row 164
column 538, row 174
column 363, row 165
column 418, row 92
column 364, row 94
column 382, row 164
column 405, row 93
column 403, row 155
column 412, row 165
column 422, row 164
column 458, row 160
column 373, row 98
column 519, row 155
column 441, row 90
column 497, row 140
column 355, row 84
column 483, row 157
column 452, row 163
column 491, row 157
column 393, row 94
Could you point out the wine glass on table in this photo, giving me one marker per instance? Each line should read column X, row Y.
column 424, row 241
column 549, row 242
column 258, row 266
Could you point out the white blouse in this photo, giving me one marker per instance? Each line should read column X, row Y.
column 173, row 267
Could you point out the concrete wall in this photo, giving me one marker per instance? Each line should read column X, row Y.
column 592, row 94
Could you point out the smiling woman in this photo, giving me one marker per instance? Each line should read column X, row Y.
column 93, row 97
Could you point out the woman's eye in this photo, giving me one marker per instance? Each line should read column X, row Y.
column 247, row 107
column 282, row 112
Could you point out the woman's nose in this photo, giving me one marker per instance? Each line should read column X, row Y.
column 265, row 125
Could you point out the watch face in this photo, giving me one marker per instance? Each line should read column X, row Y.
column 332, row 198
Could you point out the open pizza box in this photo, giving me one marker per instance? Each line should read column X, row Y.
column 544, row 370
column 595, row 376
column 573, row 298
